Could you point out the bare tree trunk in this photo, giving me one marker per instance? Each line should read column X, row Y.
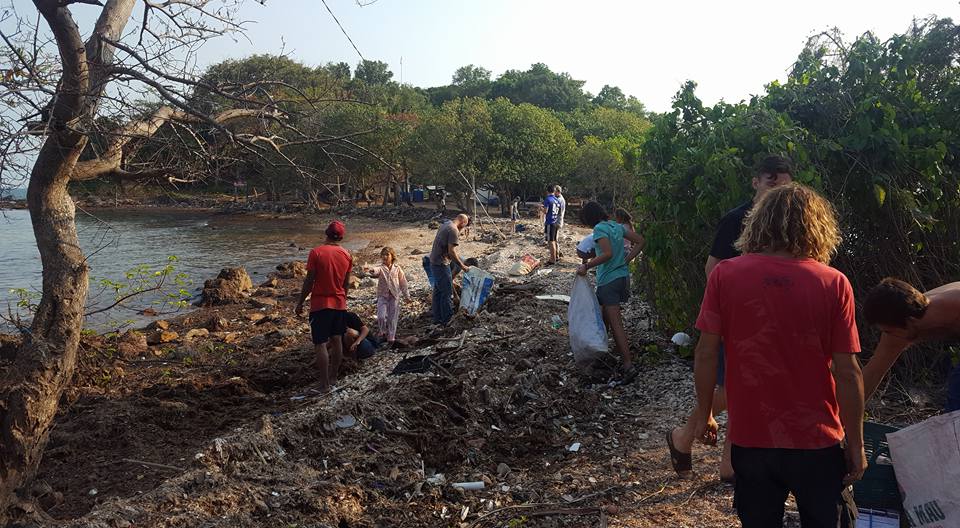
column 30, row 388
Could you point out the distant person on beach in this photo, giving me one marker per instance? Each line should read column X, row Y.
column 391, row 288
column 613, row 276
column 551, row 223
column 327, row 281
column 558, row 194
column 563, row 211
column 770, row 173
column 793, row 383
column 906, row 317
column 586, row 249
column 443, row 253
column 515, row 212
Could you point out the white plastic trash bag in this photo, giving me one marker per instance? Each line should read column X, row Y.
column 476, row 286
column 926, row 459
column 588, row 335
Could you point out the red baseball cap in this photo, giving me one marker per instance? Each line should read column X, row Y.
column 336, row 230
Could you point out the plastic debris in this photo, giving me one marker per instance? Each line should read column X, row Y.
column 345, row 421
column 469, row 486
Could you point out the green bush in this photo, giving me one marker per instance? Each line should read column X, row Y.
column 870, row 124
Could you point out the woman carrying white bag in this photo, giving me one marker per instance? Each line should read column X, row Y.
column 613, row 275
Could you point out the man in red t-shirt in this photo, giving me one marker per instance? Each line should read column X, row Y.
column 328, row 275
column 793, row 382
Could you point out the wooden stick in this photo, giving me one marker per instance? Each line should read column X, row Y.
column 151, row 464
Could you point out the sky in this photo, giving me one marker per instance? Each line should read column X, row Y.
column 730, row 48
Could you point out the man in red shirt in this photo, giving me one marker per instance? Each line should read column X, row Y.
column 793, row 382
column 328, row 275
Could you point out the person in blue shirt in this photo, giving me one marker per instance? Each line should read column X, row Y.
column 551, row 221
column 613, row 275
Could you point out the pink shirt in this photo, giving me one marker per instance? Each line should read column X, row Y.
column 391, row 282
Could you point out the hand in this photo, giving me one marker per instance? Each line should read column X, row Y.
column 465, row 268
column 582, row 270
column 353, row 347
column 299, row 309
column 856, row 463
column 706, row 431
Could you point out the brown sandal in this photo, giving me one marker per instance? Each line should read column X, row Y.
column 682, row 462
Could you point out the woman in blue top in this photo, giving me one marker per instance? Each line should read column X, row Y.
column 613, row 274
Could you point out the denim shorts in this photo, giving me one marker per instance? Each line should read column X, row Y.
column 615, row 292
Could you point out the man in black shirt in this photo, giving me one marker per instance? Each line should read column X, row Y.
column 769, row 173
column 357, row 341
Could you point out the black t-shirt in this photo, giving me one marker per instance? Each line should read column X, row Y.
column 353, row 321
column 728, row 231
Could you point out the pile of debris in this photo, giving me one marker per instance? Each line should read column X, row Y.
column 484, row 423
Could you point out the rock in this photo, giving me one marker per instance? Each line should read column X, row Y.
column 417, row 251
column 131, row 344
column 216, row 324
column 272, row 282
column 283, row 332
column 263, row 302
column 160, row 324
column 230, row 337
column 196, row 332
column 266, row 292
column 502, row 470
column 434, row 225
column 354, row 282
column 293, row 269
column 228, row 288
column 158, row 337
column 254, row 316
column 149, row 312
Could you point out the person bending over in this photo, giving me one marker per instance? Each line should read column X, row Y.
column 906, row 316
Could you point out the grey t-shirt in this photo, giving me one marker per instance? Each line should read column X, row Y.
column 448, row 235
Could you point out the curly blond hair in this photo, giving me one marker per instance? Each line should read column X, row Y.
column 793, row 218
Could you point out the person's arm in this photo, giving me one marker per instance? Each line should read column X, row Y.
column 456, row 258
column 346, row 278
column 846, row 372
column 637, row 241
column 305, row 290
column 711, row 263
column 705, row 360
column 404, row 289
column 364, row 332
column 604, row 244
column 884, row 356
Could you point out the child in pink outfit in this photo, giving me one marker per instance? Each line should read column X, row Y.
column 391, row 286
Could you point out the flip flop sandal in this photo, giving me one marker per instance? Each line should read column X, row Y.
column 629, row 375
column 682, row 462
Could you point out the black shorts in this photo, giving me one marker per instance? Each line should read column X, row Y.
column 327, row 323
column 766, row 476
column 551, row 232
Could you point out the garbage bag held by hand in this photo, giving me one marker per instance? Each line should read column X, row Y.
column 476, row 286
column 588, row 335
column 926, row 459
